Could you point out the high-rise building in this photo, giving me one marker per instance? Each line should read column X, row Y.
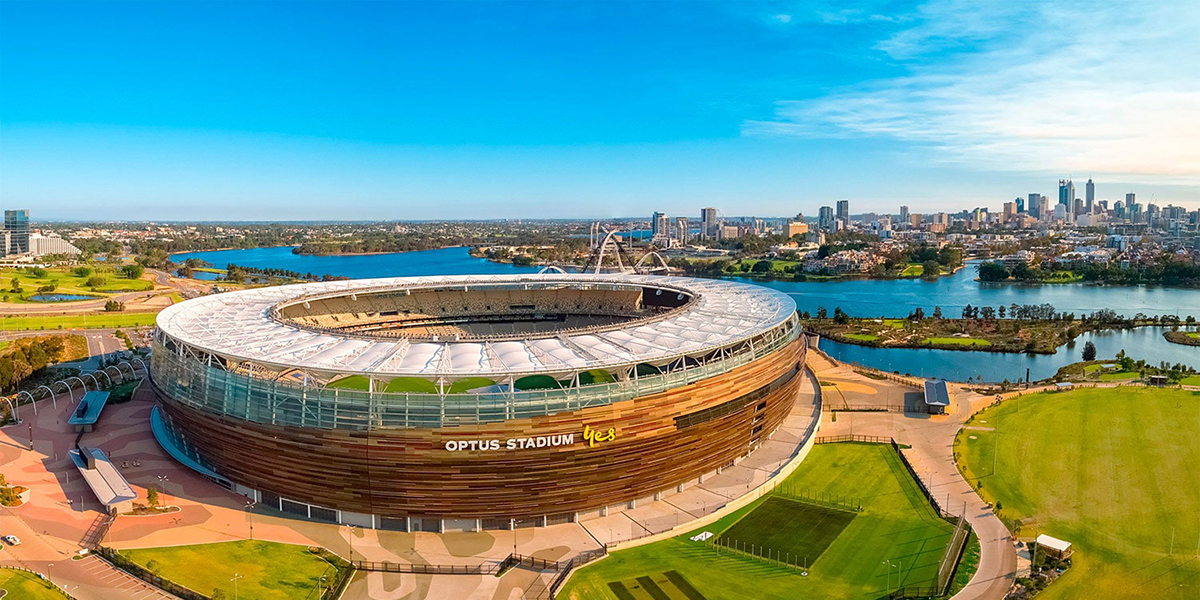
column 843, row 211
column 1035, row 206
column 682, row 230
column 708, row 223
column 1066, row 193
column 1089, row 196
column 795, row 228
column 903, row 214
column 16, row 222
column 825, row 218
column 1020, row 202
column 660, row 228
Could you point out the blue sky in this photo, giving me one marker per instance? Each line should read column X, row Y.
column 408, row 110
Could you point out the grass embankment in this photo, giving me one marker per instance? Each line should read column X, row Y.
column 267, row 570
column 24, row 585
column 1113, row 471
column 996, row 335
column 896, row 524
column 93, row 321
column 66, row 281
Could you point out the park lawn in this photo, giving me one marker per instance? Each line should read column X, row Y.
column 896, row 524
column 1190, row 380
column 1193, row 335
column 91, row 321
column 27, row 586
column 1119, row 376
column 267, row 570
column 894, row 323
column 67, row 283
column 957, row 341
column 913, row 270
column 1113, row 471
column 862, row 337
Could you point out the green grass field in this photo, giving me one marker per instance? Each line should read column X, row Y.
column 93, row 321
column 913, row 270
column 411, row 385
column 862, row 337
column 957, row 341
column 24, row 585
column 1114, row 471
column 787, row 526
column 1190, row 380
column 67, row 283
column 1118, row 376
column 269, row 571
column 896, row 524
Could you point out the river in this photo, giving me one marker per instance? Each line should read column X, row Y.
column 861, row 297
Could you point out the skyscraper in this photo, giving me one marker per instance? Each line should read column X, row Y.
column 682, row 230
column 843, row 210
column 825, row 218
column 660, row 228
column 1090, row 198
column 1066, row 193
column 708, row 223
column 903, row 214
column 16, row 222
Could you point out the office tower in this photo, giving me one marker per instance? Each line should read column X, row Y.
column 1089, row 196
column 798, row 227
column 1035, row 206
column 16, row 222
column 1130, row 198
column 708, row 223
column 843, row 211
column 825, row 218
column 1020, row 202
column 1066, row 193
column 660, row 227
column 903, row 214
column 682, row 231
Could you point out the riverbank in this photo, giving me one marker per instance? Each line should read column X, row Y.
column 1017, row 336
column 1183, row 338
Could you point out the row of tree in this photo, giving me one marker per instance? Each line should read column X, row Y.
column 25, row 357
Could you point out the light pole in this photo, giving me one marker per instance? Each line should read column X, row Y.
column 162, row 479
column 350, row 540
column 250, row 517
column 234, row 580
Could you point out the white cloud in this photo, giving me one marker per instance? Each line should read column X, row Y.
column 1104, row 89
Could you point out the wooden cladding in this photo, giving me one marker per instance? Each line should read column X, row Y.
column 409, row 472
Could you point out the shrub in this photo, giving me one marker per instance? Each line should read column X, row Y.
column 96, row 281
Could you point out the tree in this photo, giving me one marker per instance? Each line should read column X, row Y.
column 96, row 281
column 937, row 312
column 134, row 271
column 762, row 266
column 1089, row 351
column 16, row 285
column 840, row 317
column 821, row 313
column 992, row 271
column 152, row 497
column 930, row 269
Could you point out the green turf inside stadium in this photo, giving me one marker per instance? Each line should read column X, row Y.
column 896, row 525
column 1114, row 471
column 795, row 529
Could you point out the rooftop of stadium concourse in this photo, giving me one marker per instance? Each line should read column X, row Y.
column 708, row 316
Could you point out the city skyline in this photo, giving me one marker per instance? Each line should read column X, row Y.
column 445, row 111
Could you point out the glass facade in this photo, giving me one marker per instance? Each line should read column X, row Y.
column 16, row 222
column 196, row 379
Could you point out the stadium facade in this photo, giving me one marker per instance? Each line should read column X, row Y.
column 466, row 402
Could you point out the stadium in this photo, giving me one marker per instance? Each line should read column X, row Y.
column 473, row 402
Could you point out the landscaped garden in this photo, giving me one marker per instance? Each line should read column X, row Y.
column 1114, row 471
column 852, row 554
column 92, row 321
column 264, row 570
column 21, row 284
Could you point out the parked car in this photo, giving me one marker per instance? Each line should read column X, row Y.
column 11, row 540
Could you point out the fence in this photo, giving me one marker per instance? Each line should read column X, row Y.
column 42, row 578
column 775, row 557
column 487, row 568
column 833, row 501
column 870, row 439
column 578, row 561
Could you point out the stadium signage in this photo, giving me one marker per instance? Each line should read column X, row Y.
column 591, row 436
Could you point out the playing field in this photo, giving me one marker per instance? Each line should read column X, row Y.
column 1114, row 471
column 795, row 529
column 265, row 570
column 896, row 525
